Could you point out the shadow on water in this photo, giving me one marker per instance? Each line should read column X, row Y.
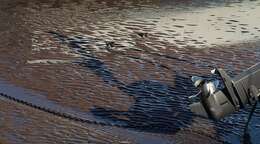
column 157, row 107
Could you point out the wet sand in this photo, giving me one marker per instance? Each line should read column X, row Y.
column 126, row 63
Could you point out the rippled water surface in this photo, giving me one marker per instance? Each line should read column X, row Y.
column 124, row 64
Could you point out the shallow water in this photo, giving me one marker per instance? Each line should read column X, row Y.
column 125, row 63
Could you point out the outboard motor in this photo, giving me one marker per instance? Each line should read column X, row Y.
column 215, row 102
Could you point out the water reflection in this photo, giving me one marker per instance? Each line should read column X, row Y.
column 132, row 61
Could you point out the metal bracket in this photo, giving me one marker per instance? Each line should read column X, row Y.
column 228, row 84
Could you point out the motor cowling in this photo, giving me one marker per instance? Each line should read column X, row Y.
column 216, row 103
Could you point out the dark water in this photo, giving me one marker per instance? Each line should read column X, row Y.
column 126, row 63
